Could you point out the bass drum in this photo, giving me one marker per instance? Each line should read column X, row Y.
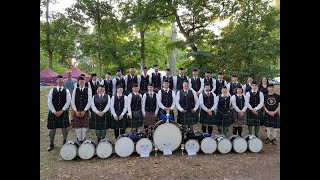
column 104, row 149
column 69, row 150
column 87, row 149
column 124, row 146
column 141, row 142
column 254, row 143
column 224, row 144
column 239, row 144
column 167, row 133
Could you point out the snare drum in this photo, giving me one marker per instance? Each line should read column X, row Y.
column 167, row 133
column 104, row 149
column 239, row 144
column 208, row 144
column 141, row 142
column 224, row 144
column 124, row 145
column 87, row 149
column 254, row 143
column 69, row 150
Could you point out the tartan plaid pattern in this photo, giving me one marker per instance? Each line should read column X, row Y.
column 150, row 118
column 263, row 120
column 100, row 123
column 58, row 122
column 119, row 124
column 206, row 119
column 254, row 120
column 137, row 119
column 187, row 118
column 223, row 118
column 239, row 121
column 272, row 121
column 81, row 123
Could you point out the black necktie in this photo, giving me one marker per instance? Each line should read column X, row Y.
column 208, row 94
column 60, row 89
column 151, row 95
column 254, row 93
column 81, row 90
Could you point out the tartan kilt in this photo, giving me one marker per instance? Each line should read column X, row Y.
column 161, row 111
column 100, row 123
column 263, row 120
column 187, row 118
column 223, row 118
column 239, row 121
column 206, row 119
column 81, row 123
column 58, row 122
column 254, row 120
column 137, row 119
column 272, row 121
column 150, row 118
column 119, row 124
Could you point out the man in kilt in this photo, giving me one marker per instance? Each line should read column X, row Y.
column 156, row 78
column 101, row 116
column 86, row 84
column 119, row 109
column 187, row 103
column 272, row 114
column 239, row 106
column 81, row 103
column 208, row 80
column 218, row 84
column 223, row 111
column 118, row 81
column 169, row 78
column 109, row 87
column 255, row 100
column 166, row 99
column 58, row 102
column 233, row 85
column 131, row 79
column 208, row 105
column 144, row 81
column 178, row 80
column 93, row 83
column 135, row 109
column 150, row 108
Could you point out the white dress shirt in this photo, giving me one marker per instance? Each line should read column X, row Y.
column 161, row 79
column 113, row 85
column 129, row 103
column 201, row 84
column 159, row 96
column 113, row 112
column 144, row 99
column 196, row 100
column 94, row 108
column 73, row 99
column 260, row 105
column 65, row 106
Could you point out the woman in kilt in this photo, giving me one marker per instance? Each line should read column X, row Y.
column 208, row 105
column 101, row 116
column 272, row 109
column 223, row 111
column 134, row 109
column 239, row 111
column 150, row 108
column 254, row 100
column 118, row 105
column 166, row 99
column 58, row 102
column 187, row 104
column 81, row 103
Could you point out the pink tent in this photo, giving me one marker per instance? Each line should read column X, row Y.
column 76, row 73
column 48, row 76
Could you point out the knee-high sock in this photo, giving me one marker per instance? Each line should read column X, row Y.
column 204, row 128
column 240, row 131
column 235, row 130
column 274, row 133
column 256, row 130
column 78, row 134
column 103, row 134
column 52, row 134
column 84, row 133
column 65, row 133
column 268, row 132
column 116, row 133
column 250, row 129
column 98, row 134
column 210, row 128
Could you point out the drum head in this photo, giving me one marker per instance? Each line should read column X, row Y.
column 141, row 142
column 124, row 147
column 104, row 149
column 192, row 143
column 208, row 145
column 224, row 146
column 68, row 151
column 167, row 133
column 255, row 145
column 240, row 145
column 86, row 150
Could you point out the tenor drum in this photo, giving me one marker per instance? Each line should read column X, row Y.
column 192, row 143
column 239, row 144
column 141, row 142
column 104, row 149
column 124, row 146
column 87, row 149
column 208, row 144
column 254, row 143
column 69, row 150
column 224, row 144
column 167, row 133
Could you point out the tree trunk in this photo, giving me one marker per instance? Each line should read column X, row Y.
column 174, row 50
column 48, row 35
column 99, row 43
column 143, row 57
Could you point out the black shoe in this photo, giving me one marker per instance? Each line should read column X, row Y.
column 274, row 141
column 50, row 147
column 267, row 141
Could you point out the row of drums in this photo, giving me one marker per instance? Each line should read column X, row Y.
column 165, row 134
